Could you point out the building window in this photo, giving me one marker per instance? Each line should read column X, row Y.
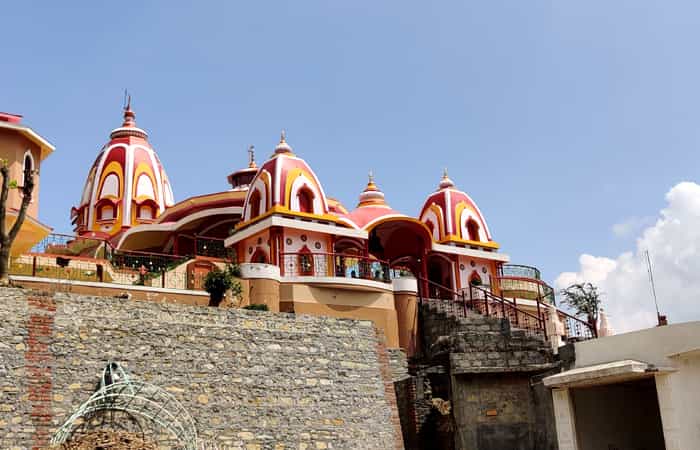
column 475, row 279
column 254, row 204
column 473, row 230
column 106, row 212
column 28, row 166
column 259, row 256
column 306, row 200
column 146, row 212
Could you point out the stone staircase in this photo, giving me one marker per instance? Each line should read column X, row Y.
column 475, row 343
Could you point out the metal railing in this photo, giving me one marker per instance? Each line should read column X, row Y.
column 334, row 265
column 481, row 300
column 519, row 270
column 76, row 258
column 527, row 288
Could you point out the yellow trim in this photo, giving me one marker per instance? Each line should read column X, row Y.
column 279, row 209
column 144, row 169
column 441, row 219
column 459, row 207
column 112, row 168
column 401, row 218
column 292, row 175
column 202, row 199
column 458, row 240
column 30, row 233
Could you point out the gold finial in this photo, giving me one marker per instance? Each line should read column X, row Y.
column 371, row 177
column 251, row 157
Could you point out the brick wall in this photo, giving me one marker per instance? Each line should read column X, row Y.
column 251, row 380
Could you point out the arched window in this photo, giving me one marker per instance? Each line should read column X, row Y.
column 106, row 212
column 28, row 166
column 259, row 256
column 254, row 204
column 306, row 200
column 146, row 212
column 110, row 186
column 306, row 262
column 475, row 279
column 473, row 230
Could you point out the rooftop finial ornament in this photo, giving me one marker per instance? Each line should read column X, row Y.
column 283, row 147
column 251, row 157
column 129, row 116
column 446, row 182
column 371, row 177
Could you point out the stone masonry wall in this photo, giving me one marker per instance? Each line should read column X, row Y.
column 251, row 380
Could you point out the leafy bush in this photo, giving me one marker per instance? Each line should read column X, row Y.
column 216, row 283
column 257, row 307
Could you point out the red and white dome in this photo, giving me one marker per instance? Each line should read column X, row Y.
column 285, row 183
column 126, row 184
column 372, row 207
column 452, row 215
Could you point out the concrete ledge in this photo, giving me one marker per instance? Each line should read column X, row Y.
column 405, row 285
column 608, row 373
column 97, row 284
column 260, row 270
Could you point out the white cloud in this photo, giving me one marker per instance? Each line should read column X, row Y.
column 631, row 225
column 674, row 244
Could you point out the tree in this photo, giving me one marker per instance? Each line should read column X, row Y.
column 218, row 281
column 7, row 238
column 584, row 298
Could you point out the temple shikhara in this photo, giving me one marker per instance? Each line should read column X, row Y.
column 464, row 337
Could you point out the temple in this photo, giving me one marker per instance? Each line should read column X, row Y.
column 299, row 249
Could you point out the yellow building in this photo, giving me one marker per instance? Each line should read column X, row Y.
column 21, row 147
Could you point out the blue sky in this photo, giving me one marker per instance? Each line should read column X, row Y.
column 560, row 119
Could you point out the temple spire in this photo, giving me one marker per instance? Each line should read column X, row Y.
column 446, row 182
column 129, row 115
column 251, row 157
column 283, row 147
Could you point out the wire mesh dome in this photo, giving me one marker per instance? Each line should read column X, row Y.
column 120, row 401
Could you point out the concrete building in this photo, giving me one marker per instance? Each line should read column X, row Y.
column 638, row 390
column 22, row 147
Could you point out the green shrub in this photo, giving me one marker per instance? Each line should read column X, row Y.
column 216, row 283
column 257, row 307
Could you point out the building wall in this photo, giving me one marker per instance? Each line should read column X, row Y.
column 377, row 306
column 249, row 379
column 12, row 147
column 622, row 416
column 483, row 267
column 248, row 247
column 675, row 347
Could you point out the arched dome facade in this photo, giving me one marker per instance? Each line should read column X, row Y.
column 452, row 216
column 372, row 207
column 285, row 183
column 126, row 185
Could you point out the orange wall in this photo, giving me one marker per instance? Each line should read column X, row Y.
column 12, row 147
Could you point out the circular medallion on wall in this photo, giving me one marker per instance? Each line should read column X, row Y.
column 483, row 269
column 303, row 238
column 472, row 263
column 289, row 241
column 461, row 267
column 250, row 250
column 259, row 240
column 317, row 245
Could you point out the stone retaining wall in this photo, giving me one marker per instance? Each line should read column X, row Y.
column 251, row 380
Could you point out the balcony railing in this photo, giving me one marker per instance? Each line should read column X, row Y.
column 74, row 258
column 334, row 265
column 520, row 271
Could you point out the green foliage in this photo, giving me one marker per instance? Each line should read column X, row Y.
column 217, row 282
column 257, row 307
column 584, row 299
column 12, row 184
